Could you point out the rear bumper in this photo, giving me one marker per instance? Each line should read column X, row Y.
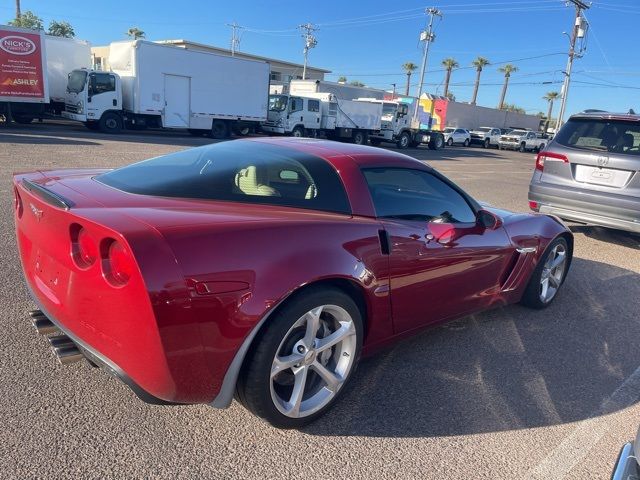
column 626, row 467
column 586, row 207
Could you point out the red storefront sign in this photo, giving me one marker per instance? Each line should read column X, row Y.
column 21, row 65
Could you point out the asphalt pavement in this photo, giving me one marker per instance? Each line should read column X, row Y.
column 507, row 394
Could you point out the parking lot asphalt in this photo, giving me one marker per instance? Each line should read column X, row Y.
column 511, row 393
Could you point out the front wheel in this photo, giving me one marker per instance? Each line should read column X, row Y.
column 523, row 147
column 219, row 129
column 110, row 122
column 304, row 359
column 403, row 140
column 450, row 142
column 297, row 132
column 548, row 276
column 487, row 143
column 466, row 142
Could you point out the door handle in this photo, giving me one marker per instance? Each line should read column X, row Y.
column 301, row 118
column 115, row 102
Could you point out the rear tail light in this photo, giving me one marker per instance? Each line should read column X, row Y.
column 117, row 263
column 549, row 157
column 533, row 206
column 84, row 249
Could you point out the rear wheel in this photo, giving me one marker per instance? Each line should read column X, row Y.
column 110, row 122
column 541, row 147
column 219, row 129
column 360, row 138
column 487, row 143
column 303, row 360
column 466, row 142
column 523, row 147
column 436, row 142
column 404, row 140
column 548, row 276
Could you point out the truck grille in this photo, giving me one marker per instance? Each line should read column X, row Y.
column 70, row 108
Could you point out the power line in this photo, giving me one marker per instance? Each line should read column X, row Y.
column 235, row 37
column 309, row 43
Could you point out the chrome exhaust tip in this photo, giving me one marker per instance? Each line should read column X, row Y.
column 61, row 341
column 36, row 313
column 68, row 354
column 43, row 325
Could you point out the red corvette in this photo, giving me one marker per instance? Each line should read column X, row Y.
column 264, row 268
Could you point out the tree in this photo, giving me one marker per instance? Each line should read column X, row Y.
column 479, row 63
column 409, row 68
column 507, row 69
column 451, row 96
column 28, row 19
column 449, row 64
column 61, row 29
column 549, row 97
column 510, row 107
column 135, row 33
column 356, row 83
column 342, row 79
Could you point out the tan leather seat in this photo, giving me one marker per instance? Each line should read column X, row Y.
column 312, row 192
column 247, row 182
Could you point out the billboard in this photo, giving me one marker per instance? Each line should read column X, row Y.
column 22, row 78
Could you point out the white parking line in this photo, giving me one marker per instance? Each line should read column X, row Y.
column 577, row 445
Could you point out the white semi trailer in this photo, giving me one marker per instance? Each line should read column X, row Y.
column 33, row 72
column 161, row 86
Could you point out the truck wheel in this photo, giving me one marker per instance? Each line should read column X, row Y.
column 487, row 143
column 436, row 142
column 360, row 138
column 523, row 147
column 110, row 123
column 450, row 142
column 404, row 140
column 297, row 132
column 22, row 119
column 375, row 141
column 219, row 129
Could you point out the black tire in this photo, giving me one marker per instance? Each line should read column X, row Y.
column 254, row 384
column 466, row 142
column 531, row 297
column 92, row 126
column 23, row 119
column 298, row 132
column 436, row 142
column 450, row 142
column 219, row 129
column 523, row 147
column 541, row 147
column 486, row 143
column 404, row 140
column 360, row 138
column 375, row 142
column 110, row 122
column 196, row 132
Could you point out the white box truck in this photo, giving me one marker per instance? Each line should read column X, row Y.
column 154, row 85
column 304, row 112
column 33, row 72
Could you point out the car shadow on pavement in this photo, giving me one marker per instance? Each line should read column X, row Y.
column 455, row 154
column 42, row 140
column 609, row 235
column 506, row 369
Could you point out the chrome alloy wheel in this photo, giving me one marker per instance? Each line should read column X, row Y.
column 313, row 361
column 552, row 273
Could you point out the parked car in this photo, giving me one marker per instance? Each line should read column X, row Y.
column 522, row 140
column 626, row 467
column 264, row 268
column 590, row 172
column 458, row 136
column 486, row 136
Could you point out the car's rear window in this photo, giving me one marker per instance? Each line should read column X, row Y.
column 241, row 171
column 601, row 135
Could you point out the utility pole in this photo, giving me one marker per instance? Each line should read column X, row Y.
column 578, row 31
column 427, row 36
column 310, row 42
column 235, row 37
column 394, row 90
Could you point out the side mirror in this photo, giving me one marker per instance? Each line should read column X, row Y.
column 489, row 220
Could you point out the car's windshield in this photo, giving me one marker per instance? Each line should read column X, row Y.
column 483, row 129
column 518, row 132
column 389, row 108
column 77, row 80
column 240, row 171
column 448, row 130
column 278, row 103
column 620, row 136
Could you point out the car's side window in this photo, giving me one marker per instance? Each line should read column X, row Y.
column 416, row 195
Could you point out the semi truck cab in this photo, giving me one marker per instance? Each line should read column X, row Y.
column 94, row 98
column 294, row 115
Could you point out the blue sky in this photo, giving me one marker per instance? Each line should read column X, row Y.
column 369, row 40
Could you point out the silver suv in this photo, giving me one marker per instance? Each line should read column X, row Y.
column 590, row 172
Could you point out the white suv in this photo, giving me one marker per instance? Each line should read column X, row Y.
column 458, row 136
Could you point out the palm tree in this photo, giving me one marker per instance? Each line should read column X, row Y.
column 409, row 68
column 17, row 9
column 449, row 64
column 342, row 79
column 135, row 33
column 479, row 63
column 549, row 97
column 508, row 69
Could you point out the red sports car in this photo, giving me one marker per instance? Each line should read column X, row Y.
column 263, row 268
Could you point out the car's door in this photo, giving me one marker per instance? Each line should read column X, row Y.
column 495, row 136
column 443, row 262
column 458, row 135
column 296, row 112
column 531, row 140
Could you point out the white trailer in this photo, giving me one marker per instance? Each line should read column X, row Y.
column 154, row 85
column 33, row 70
column 342, row 91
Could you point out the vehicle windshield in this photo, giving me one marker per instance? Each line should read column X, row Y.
column 448, row 130
column 277, row 103
column 240, row 171
column 77, row 81
column 483, row 129
column 389, row 108
column 602, row 135
column 518, row 132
